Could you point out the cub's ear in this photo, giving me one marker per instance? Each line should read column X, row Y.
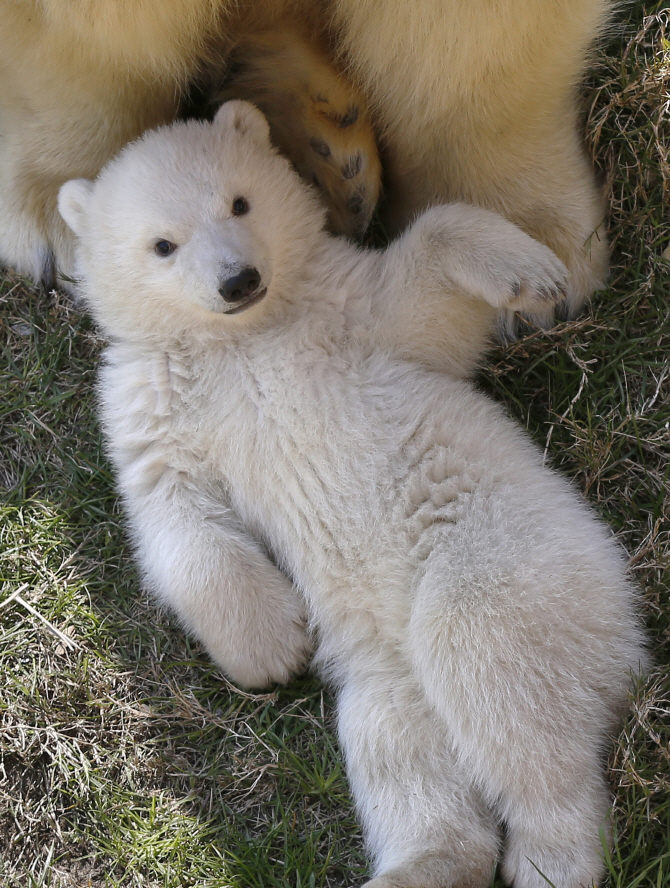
column 73, row 201
column 245, row 118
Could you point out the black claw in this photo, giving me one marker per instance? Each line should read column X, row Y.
column 352, row 167
column 522, row 327
column 556, row 295
column 48, row 273
column 355, row 203
column 349, row 118
column 320, row 147
column 562, row 310
column 507, row 326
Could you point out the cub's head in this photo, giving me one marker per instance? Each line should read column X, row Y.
column 194, row 227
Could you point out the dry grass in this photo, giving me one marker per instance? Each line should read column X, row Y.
column 125, row 759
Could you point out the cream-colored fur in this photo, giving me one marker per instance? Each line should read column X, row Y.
column 319, row 122
column 475, row 101
column 295, row 475
column 81, row 78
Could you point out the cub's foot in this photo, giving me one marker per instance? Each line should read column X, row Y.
column 317, row 119
column 437, row 871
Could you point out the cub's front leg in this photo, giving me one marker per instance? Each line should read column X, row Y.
column 197, row 558
column 435, row 293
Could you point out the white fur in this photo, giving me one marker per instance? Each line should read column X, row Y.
column 303, row 473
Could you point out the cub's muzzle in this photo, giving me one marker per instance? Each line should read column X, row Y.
column 242, row 290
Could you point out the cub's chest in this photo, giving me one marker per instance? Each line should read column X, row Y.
column 284, row 391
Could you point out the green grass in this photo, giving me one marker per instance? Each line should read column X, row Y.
column 125, row 758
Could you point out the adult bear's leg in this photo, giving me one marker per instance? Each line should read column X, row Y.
column 476, row 102
column 78, row 81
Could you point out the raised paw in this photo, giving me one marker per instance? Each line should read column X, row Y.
column 535, row 286
column 528, row 277
column 317, row 119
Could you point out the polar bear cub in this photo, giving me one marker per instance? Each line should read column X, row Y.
column 303, row 466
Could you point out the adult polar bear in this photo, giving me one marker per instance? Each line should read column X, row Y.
column 473, row 101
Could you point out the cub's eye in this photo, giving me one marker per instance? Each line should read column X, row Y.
column 240, row 206
column 164, row 248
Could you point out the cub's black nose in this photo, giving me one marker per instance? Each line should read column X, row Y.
column 240, row 285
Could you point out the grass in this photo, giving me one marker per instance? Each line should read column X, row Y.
column 125, row 758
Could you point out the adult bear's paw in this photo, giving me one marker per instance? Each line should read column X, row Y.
column 317, row 118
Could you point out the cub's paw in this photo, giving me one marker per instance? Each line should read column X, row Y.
column 523, row 279
column 266, row 641
column 317, row 119
column 290, row 646
column 529, row 279
column 587, row 264
column 274, row 657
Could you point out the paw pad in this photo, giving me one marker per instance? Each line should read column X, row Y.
column 356, row 202
column 320, row 147
column 349, row 118
column 343, row 121
column 352, row 167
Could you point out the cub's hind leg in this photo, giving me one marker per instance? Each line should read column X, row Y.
column 424, row 822
column 524, row 644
